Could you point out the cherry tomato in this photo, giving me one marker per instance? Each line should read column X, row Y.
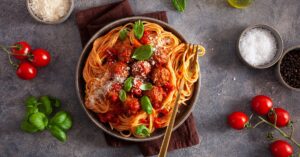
column 21, row 50
column 145, row 39
column 261, row 104
column 157, row 123
column 26, row 71
column 238, row 120
column 283, row 117
column 281, row 148
column 40, row 58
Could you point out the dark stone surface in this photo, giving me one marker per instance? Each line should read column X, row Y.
column 228, row 84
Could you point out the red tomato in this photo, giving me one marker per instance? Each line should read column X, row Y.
column 102, row 117
column 40, row 58
column 261, row 104
column 145, row 39
column 283, row 117
column 157, row 123
column 21, row 50
column 26, row 71
column 238, row 120
column 281, row 148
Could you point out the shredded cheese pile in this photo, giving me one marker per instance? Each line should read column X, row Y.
column 50, row 10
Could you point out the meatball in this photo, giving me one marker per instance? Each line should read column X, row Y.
column 135, row 90
column 132, row 105
column 113, row 93
column 119, row 69
column 124, row 51
column 156, row 96
column 160, row 76
column 160, row 57
column 125, row 56
column 141, row 69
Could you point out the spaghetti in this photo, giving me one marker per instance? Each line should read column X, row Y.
column 136, row 96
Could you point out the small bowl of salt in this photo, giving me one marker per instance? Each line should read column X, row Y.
column 260, row 46
column 50, row 11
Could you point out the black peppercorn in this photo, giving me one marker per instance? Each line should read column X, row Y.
column 290, row 68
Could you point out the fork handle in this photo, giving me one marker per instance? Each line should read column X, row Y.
column 165, row 144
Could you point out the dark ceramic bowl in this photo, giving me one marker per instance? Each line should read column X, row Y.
column 279, row 45
column 278, row 69
column 185, row 111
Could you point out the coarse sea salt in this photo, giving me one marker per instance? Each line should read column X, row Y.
column 258, row 46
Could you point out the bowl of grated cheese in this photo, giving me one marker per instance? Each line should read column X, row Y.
column 50, row 11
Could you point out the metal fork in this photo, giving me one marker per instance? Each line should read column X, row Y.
column 165, row 144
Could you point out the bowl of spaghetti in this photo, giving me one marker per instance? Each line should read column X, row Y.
column 128, row 75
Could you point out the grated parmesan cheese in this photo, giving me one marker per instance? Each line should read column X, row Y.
column 50, row 10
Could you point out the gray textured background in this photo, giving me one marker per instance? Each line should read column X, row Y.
column 227, row 83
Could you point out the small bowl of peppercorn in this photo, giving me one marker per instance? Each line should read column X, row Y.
column 288, row 68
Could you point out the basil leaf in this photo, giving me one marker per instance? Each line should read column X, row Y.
column 31, row 102
column 146, row 86
column 27, row 127
column 123, row 34
column 62, row 120
column 138, row 29
column 30, row 111
column 55, row 102
column 45, row 105
column 67, row 124
column 143, row 52
column 146, row 104
column 142, row 130
column 58, row 133
column 38, row 120
column 179, row 5
column 122, row 95
column 59, row 117
column 128, row 84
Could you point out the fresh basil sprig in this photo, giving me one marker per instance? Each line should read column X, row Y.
column 58, row 133
column 28, row 127
column 138, row 29
column 128, row 84
column 36, row 117
column 146, row 104
column 55, row 102
column 45, row 105
column 123, row 34
column 62, row 120
column 122, row 95
column 146, row 86
column 31, row 101
column 38, row 120
column 179, row 5
column 143, row 52
column 142, row 130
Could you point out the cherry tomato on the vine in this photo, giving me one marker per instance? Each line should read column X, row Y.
column 20, row 50
column 261, row 104
column 281, row 148
column 283, row 117
column 26, row 71
column 40, row 57
column 238, row 120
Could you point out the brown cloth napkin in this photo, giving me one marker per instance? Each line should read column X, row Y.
column 89, row 21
